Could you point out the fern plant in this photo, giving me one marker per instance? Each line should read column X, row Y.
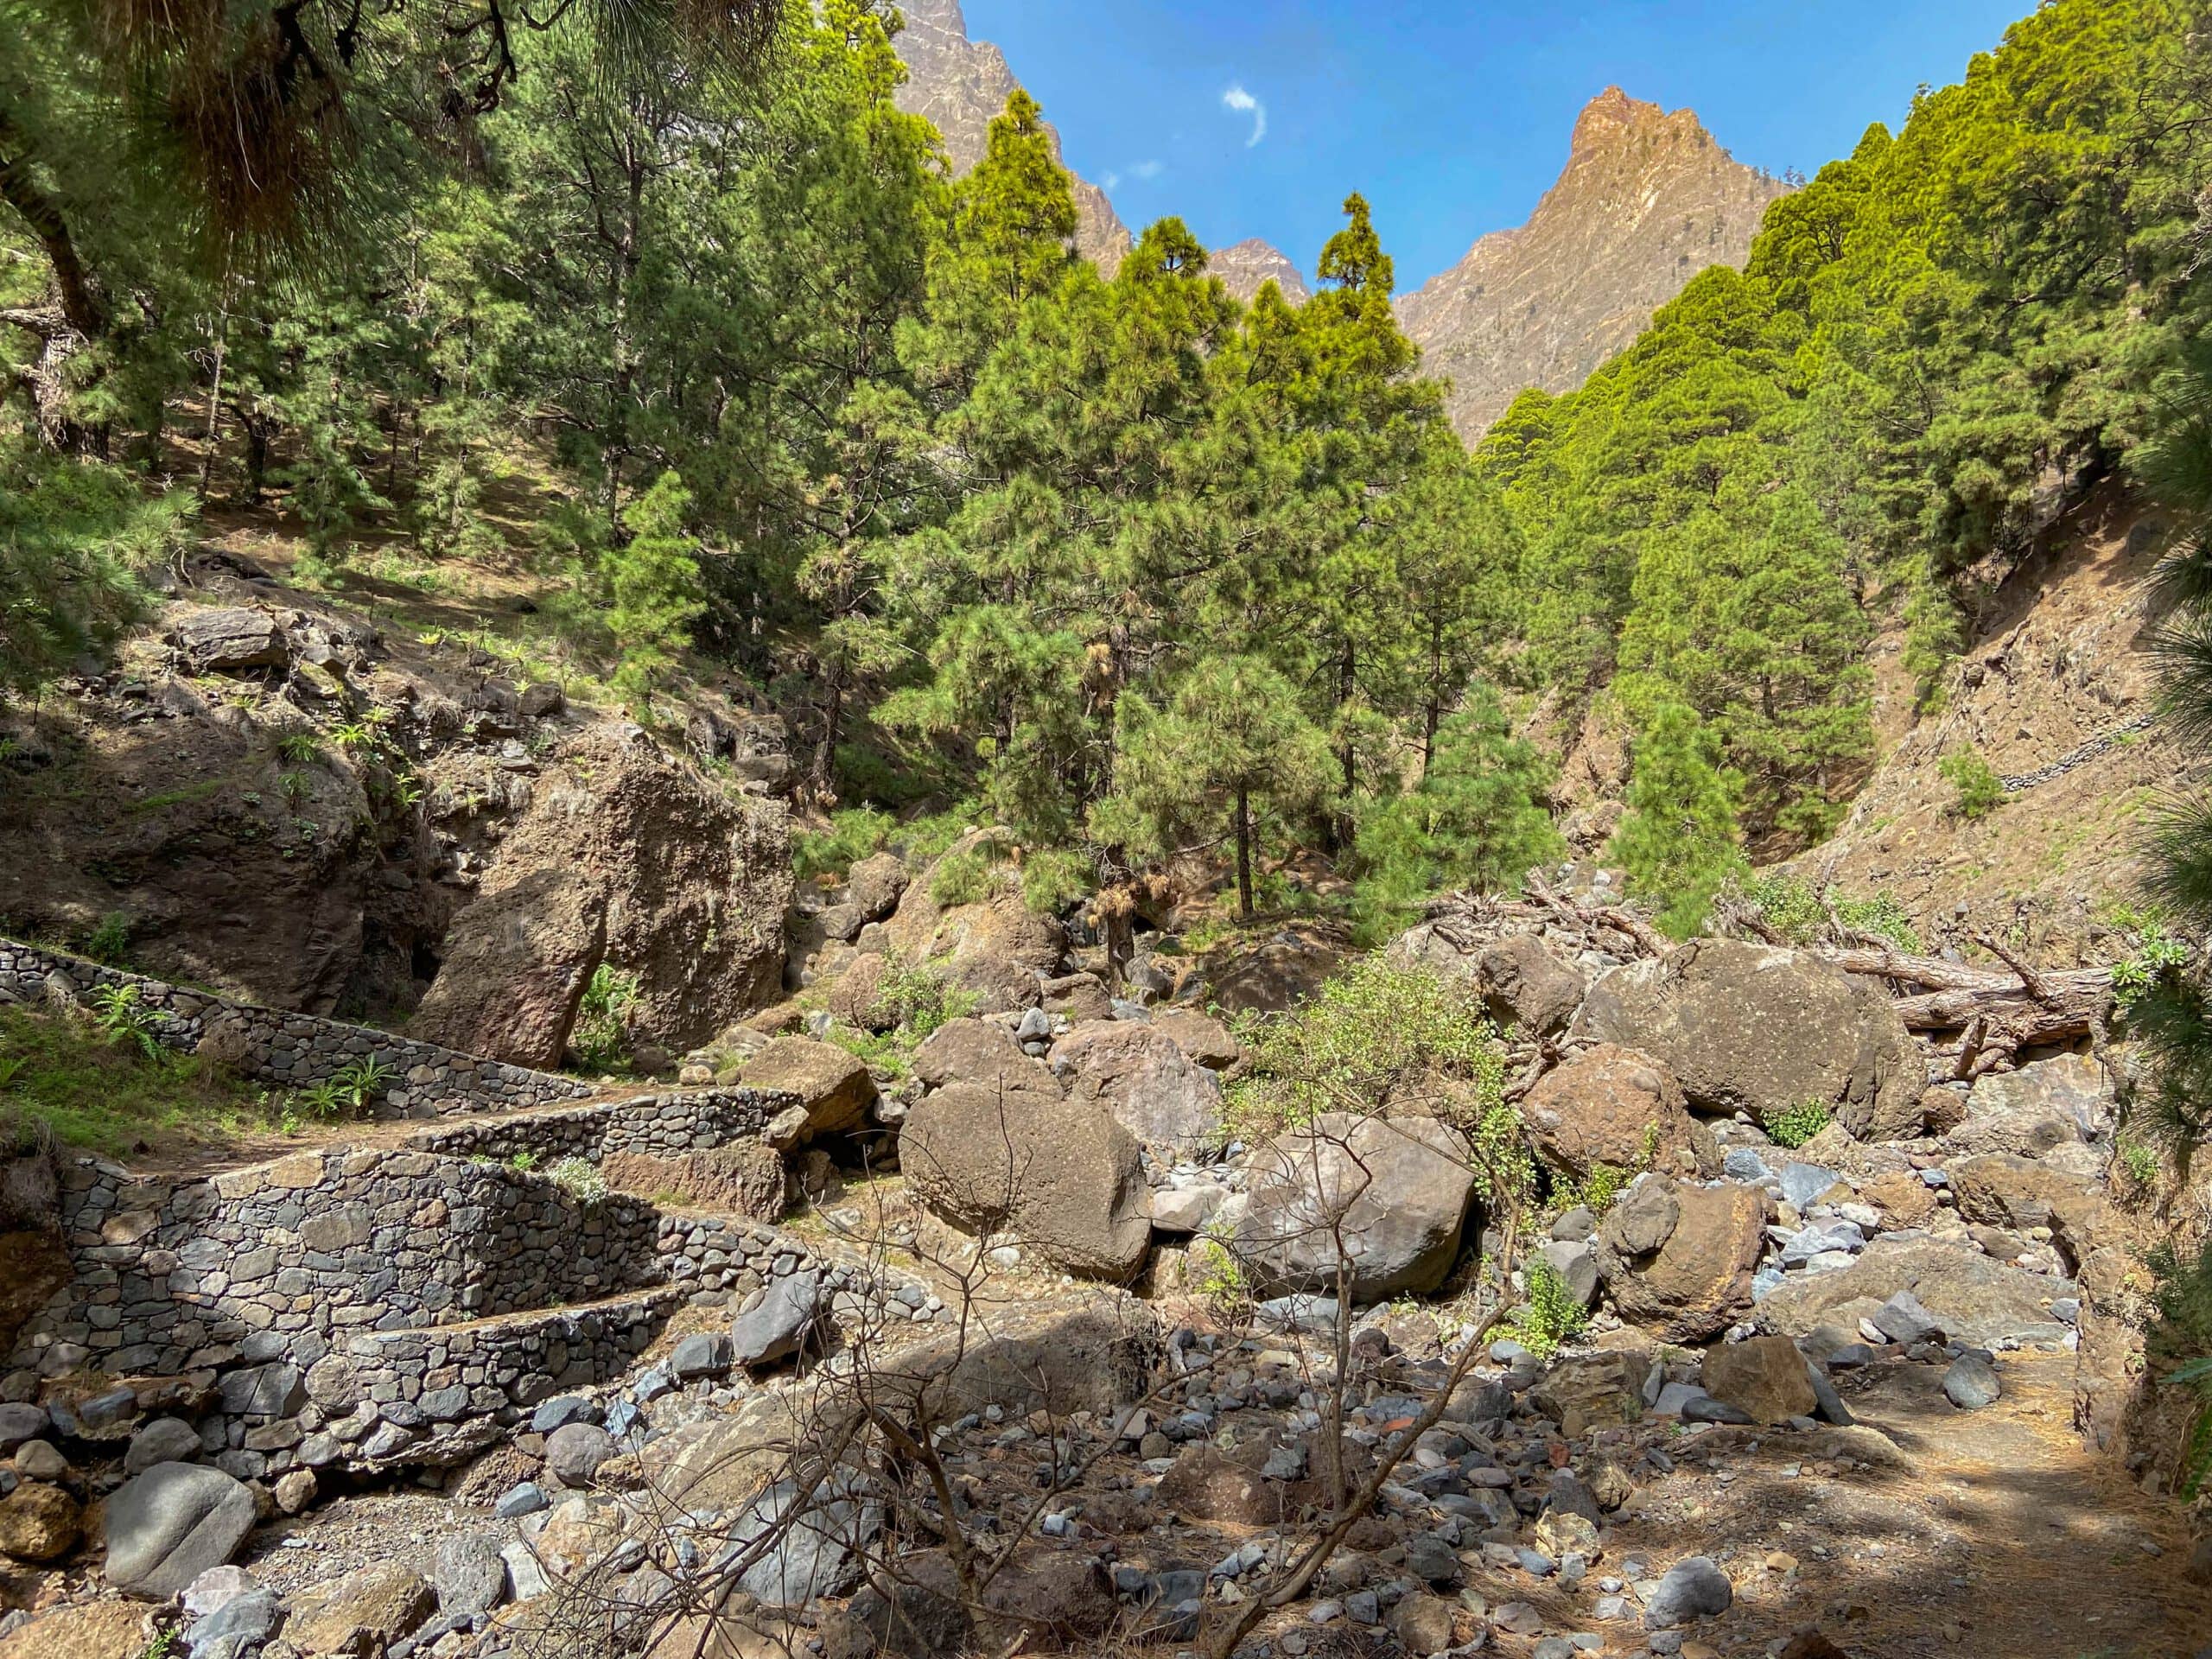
column 121, row 1014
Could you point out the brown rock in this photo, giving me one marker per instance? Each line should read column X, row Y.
column 1526, row 986
column 2001, row 1189
column 514, row 974
column 1587, row 1391
column 1904, row 1199
column 87, row 1630
column 363, row 1613
column 695, row 883
column 1079, row 997
column 1976, row 1300
column 1765, row 1377
column 834, row 1087
column 1616, row 1106
column 1424, row 1622
column 746, row 1178
column 1207, row 1484
column 857, row 996
column 996, row 948
column 1678, row 1260
column 1942, row 1109
column 1046, row 1600
column 39, row 1522
column 1063, row 1176
column 1754, row 1028
column 872, row 886
column 980, row 1052
column 1200, row 1036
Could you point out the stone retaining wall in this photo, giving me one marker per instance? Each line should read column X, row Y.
column 666, row 1125
column 280, row 1257
column 295, row 1051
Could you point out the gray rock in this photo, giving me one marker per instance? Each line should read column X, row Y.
column 1902, row 1318
column 1802, row 1183
column 168, row 1526
column 1971, row 1382
column 560, row 1411
column 574, row 1452
column 777, row 1328
column 1576, row 1263
column 468, row 1573
column 236, row 1629
column 228, row 640
column 1576, row 1224
column 1830, row 1409
column 524, row 1497
column 1429, row 1558
column 1183, row 1210
column 707, row 1353
column 525, row 1578
column 166, row 1439
column 262, row 1392
column 1693, row 1588
column 20, row 1422
column 817, row 1538
column 1744, row 1163
column 38, row 1461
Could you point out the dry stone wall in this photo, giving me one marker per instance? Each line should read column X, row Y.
column 664, row 1125
column 294, row 1051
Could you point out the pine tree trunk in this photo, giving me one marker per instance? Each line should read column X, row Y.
column 1244, row 856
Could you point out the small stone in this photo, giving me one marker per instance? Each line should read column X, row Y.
column 1971, row 1382
column 525, row 1497
column 1518, row 1618
column 166, row 1439
column 38, row 1461
column 574, row 1452
column 1693, row 1588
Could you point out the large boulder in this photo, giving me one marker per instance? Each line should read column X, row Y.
column 1975, row 1300
column 1267, row 975
column 1396, row 1191
column 512, row 978
column 1764, row 1376
column 996, row 948
column 168, row 1526
column 2001, row 1189
column 2044, row 1105
column 1524, row 983
column 1677, row 1259
column 980, row 1052
column 1062, row 1175
column 1138, row 1074
column 873, row 886
column 1757, row 1029
column 834, row 1088
column 1619, row 1106
column 695, row 882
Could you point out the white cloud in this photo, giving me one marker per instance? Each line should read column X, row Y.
column 1109, row 180
column 1243, row 102
column 1147, row 170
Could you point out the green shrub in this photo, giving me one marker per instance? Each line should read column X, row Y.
column 1793, row 1125
column 961, row 878
column 2157, row 953
column 2180, row 1329
column 917, row 999
column 120, row 1013
column 1551, row 1315
column 601, row 1037
column 1053, row 880
column 1806, row 915
column 2141, row 1161
column 110, row 943
column 1981, row 791
column 853, row 835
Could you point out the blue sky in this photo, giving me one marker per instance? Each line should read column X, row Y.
column 1255, row 120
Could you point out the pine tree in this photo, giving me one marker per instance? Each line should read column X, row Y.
column 1678, row 844
column 653, row 584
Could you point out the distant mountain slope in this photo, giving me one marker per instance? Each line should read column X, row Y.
column 1647, row 200
column 960, row 83
column 1245, row 267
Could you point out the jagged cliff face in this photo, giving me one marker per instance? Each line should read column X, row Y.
column 1647, row 201
column 1246, row 267
column 959, row 85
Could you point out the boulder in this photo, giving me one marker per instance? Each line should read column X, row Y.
column 1138, row 1075
column 1758, row 1029
column 1062, row 1175
column 1678, row 1260
column 574, row 1452
column 513, row 978
column 833, row 1087
column 996, row 948
column 745, row 1178
column 363, row 1612
column 1977, row 1300
column 229, row 641
column 166, row 1439
column 1268, row 975
column 2045, row 1104
column 38, row 1521
column 1971, row 1382
column 1693, row 1588
column 1200, row 1036
column 1576, row 1264
column 2002, row 1189
column 1764, row 1376
column 695, row 883
column 1526, row 986
column 777, row 1326
column 1587, row 1391
column 1079, row 997
column 872, row 886
column 1397, row 1192
column 857, row 996
column 817, row 1537
column 1619, row 1106
column 1209, row 1484
column 981, row 1053
column 467, row 1575
column 84, row 1629
column 171, row 1524
column 1045, row 1601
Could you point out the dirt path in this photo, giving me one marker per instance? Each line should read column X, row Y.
column 1993, row 1535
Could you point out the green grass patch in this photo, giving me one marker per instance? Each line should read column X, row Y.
column 105, row 1094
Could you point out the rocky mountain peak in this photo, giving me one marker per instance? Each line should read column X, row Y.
column 1647, row 199
column 1248, row 266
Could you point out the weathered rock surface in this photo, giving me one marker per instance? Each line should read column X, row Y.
column 1397, row 1192
column 168, row 1526
column 980, row 1052
column 1061, row 1175
column 833, row 1087
column 1978, row 1300
column 695, row 884
column 363, row 1612
column 228, row 640
column 516, row 965
column 1607, row 1105
column 745, row 1178
column 1139, row 1076
column 38, row 1521
column 1753, row 1028
column 2045, row 1104
column 1762, row 1376
column 1677, row 1260
column 996, row 948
